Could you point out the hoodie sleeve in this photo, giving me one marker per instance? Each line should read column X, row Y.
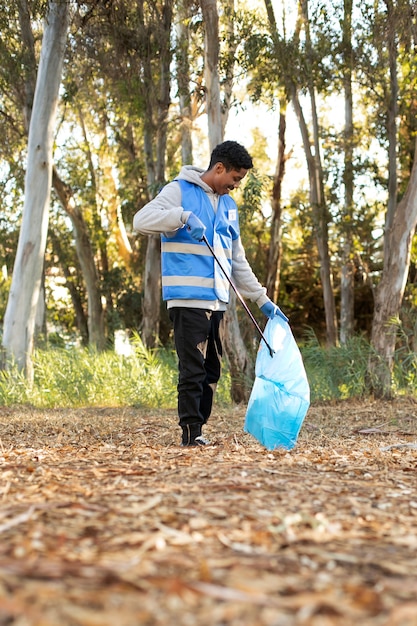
column 163, row 214
column 244, row 278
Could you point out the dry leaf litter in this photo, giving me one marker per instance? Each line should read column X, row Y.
column 106, row 521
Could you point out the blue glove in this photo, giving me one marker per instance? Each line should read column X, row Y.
column 195, row 227
column 270, row 310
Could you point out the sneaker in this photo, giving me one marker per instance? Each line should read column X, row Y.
column 191, row 436
column 198, row 441
column 201, row 441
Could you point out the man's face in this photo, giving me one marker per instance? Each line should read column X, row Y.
column 224, row 181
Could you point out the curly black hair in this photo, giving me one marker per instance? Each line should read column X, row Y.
column 232, row 155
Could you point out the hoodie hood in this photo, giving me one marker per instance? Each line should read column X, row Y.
column 193, row 174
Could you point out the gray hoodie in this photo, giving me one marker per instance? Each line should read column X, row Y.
column 164, row 214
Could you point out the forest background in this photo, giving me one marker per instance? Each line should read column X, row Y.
column 103, row 101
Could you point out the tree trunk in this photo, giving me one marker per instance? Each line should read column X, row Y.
column 151, row 305
column 85, row 254
column 390, row 291
column 70, row 284
column 314, row 166
column 183, row 80
column 240, row 364
column 110, row 197
column 347, row 272
column 320, row 225
column 155, row 130
column 211, row 71
column 29, row 60
column 318, row 200
column 274, row 255
column 400, row 224
column 19, row 322
column 392, row 114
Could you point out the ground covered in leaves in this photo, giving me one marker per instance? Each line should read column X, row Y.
column 106, row 521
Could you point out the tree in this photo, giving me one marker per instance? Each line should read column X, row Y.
column 182, row 57
column 347, row 270
column 390, row 290
column 211, row 71
column 240, row 362
column 85, row 254
column 400, row 222
column 19, row 322
column 155, row 140
column 293, row 78
column 275, row 245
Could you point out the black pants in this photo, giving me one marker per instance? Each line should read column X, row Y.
column 198, row 336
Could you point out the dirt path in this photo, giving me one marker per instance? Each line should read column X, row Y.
column 106, row 521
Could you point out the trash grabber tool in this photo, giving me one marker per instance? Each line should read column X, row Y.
column 241, row 300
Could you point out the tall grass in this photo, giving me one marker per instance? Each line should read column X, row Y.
column 341, row 372
column 148, row 378
column 83, row 377
column 336, row 373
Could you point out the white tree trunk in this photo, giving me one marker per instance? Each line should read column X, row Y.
column 19, row 321
column 211, row 71
column 347, row 292
column 240, row 363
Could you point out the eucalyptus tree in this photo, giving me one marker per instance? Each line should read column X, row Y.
column 395, row 42
column 183, row 75
column 219, row 63
column 19, row 322
column 347, row 278
column 15, row 107
column 136, row 60
column 275, row 244
column 296, row 62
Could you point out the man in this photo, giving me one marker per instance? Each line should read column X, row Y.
column 197, row 204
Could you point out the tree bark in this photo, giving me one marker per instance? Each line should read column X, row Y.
column 320, row 225
column 274, row 255
column 211, row 71
column 390, row 291
column 19, row 322
column 183, row 80
column 347, row 304
column 240, row 364
column 392, row 113
column 29, row 60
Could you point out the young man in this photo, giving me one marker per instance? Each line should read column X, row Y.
column 195, row 204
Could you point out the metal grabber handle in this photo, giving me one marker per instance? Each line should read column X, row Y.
column 241, row 300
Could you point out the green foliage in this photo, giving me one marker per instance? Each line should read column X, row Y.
column 340, row 373
column 405, row 357
column 336, row 373
column 4, row 294
column 83, row 377
column 148, row 378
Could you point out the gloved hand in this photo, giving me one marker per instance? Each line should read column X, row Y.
column 270, row 310
column 195, row 227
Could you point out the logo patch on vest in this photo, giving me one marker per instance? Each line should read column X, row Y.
column 231, row 214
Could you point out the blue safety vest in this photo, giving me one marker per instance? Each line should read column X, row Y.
column 189, row 270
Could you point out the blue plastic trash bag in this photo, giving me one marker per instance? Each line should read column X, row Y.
column 280, row 395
